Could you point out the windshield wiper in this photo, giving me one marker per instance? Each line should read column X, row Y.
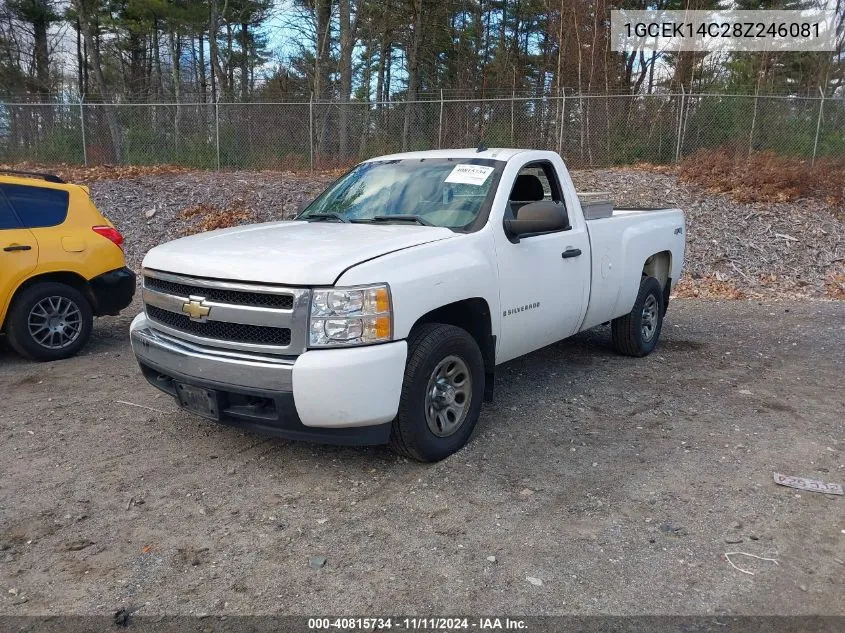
column 401, row 218
column 326, row 216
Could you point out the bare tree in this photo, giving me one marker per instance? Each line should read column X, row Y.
column 84, row 17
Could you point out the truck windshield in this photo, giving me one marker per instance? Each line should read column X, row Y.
column 447, row 192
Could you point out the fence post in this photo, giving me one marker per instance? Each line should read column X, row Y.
column 818, row 128
column 753, row 122
column 680, row 126
column 440, row 125
column 562, row 119
column 82, row 123
column 217, row 128
column 311, row 130
column 513, row 99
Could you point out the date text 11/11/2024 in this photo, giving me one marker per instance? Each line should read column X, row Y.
column 417, row 623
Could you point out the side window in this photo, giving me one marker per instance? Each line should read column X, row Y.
column 37, row 206
column 535, row 181
column 7, row 218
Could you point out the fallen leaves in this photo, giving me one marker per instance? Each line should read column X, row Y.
column 202, row 208
column 708, row 288
column 87, row 175
column 765, row 176
column 208, row 217
column 670, row 170
column 835, row 288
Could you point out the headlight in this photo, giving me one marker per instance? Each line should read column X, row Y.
column 350, row 316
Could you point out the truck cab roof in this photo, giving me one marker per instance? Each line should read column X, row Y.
column 495, row 153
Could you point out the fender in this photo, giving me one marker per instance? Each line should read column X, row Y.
column 425, row 277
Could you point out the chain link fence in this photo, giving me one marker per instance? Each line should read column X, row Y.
column 587, row 130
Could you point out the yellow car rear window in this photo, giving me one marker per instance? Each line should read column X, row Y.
column 37, row 206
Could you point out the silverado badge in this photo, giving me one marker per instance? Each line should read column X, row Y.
column 196, row 309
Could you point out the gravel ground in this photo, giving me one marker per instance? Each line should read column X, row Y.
column 617, row 483
column 128, row 202
column 787, row 248
column 761, row 248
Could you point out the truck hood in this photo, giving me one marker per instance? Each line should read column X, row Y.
column 291, row 252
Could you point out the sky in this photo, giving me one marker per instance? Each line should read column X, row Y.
column 284, row 30
column 283, row 37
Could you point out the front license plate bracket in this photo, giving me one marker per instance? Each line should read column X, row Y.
column 203, row 402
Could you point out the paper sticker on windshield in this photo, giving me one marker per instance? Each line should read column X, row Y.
column 470, row 174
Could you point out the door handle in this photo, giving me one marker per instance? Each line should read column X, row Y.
column 571, row 252
column 18, row 247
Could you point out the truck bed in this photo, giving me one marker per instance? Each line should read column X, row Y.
column 598, row 205
column 620, row 244
column 628, row 210
column 603, row 210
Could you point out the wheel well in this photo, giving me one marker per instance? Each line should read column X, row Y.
column 71, row 279
column 659, row 266
column 472, row 315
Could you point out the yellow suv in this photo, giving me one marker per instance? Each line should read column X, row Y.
column 61, row 264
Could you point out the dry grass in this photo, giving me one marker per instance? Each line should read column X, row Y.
column 765, row 177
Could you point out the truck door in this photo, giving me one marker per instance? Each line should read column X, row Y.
column 544, row 279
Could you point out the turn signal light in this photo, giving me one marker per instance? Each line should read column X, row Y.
column 382, row 300
column 382, row 327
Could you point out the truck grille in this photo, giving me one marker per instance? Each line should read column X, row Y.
column 257, row 299
column 257, row 318
column 234, row 332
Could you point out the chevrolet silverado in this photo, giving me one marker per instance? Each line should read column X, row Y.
column 381, row 312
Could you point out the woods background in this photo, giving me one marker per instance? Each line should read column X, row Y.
column 301, row 83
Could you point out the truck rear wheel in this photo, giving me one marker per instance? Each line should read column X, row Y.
column 441, row 393
column 636, row 333
column 49, row 321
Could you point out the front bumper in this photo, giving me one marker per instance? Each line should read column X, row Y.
column 112, row 291
column 342, row 396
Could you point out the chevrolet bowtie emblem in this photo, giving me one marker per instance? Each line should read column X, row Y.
column 196, row 309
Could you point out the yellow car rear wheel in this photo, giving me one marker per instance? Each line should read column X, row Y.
column 49, row 321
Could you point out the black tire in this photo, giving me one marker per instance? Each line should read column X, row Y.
column 18, row 330
column 629, row 334
column 429, row 346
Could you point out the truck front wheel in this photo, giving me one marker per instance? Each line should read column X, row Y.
column 636, row 333
column 441, row 393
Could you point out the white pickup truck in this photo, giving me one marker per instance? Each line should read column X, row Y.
column 381, row 312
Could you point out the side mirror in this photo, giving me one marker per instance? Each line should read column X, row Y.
column 545, row 216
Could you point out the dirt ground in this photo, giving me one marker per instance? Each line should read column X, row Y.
column 617, row 483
